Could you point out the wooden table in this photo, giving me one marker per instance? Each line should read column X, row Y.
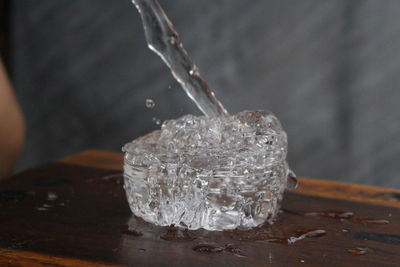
column 73, row 212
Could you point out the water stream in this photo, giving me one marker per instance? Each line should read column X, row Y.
column 163, row 39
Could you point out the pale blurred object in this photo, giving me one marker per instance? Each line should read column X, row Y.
column 12, row 127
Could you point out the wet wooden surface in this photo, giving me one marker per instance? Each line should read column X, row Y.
column 73, row 213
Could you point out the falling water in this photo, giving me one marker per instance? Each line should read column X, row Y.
column 227, row 171
column 163, row 39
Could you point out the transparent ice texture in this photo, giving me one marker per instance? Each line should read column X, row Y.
column 214, row 173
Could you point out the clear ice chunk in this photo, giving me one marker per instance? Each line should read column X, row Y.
column 213, row 173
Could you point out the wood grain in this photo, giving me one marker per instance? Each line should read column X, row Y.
column 65, row 214
column 32, row 259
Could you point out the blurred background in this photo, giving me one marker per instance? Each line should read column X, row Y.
column 330, row 71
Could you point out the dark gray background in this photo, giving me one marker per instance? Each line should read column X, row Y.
column 328, row 69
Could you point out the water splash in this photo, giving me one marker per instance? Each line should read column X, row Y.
column 214, row 173
column 164, row 40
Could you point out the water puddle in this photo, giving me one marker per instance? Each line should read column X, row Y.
column 215, row 248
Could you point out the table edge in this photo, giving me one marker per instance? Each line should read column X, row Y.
column 307, row 186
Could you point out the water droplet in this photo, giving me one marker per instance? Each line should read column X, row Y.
column 292, row 181
column 51, row 196
column 337, row 214
column 371, row 220
column 157, row 121
column 232, row 249
column 306, row 233
column 208, row 248
column 150, row 103
column 172, row 40
column 193, row 72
